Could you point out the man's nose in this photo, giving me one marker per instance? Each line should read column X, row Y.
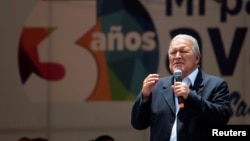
column 178, row 54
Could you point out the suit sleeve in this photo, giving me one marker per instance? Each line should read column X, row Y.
column 140, row 116
column 212, row 105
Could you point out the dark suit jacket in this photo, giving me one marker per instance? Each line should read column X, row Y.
column 207, row 105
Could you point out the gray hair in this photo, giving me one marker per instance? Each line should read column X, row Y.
column 196, row 48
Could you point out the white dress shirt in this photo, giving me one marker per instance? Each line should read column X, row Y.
column 189, row 80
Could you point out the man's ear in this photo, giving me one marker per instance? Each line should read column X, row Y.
column 198, row 56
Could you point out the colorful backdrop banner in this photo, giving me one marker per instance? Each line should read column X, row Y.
column 90, row 57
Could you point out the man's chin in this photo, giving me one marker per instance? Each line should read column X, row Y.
column 177, row 68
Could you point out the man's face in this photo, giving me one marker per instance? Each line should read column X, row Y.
column 182, row 56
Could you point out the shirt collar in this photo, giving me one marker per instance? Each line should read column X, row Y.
column 192, row 76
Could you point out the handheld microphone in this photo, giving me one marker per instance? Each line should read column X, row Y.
column 177, row 76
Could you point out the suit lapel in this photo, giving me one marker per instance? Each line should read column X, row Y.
column 168, row 95
column 198, row 84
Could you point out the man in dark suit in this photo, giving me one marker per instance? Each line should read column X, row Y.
column 206, row 98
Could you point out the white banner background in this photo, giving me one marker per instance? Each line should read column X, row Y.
column 63, row 117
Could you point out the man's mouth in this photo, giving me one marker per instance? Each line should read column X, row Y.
column 178, row 63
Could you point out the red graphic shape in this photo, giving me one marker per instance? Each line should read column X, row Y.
column 29, row 61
